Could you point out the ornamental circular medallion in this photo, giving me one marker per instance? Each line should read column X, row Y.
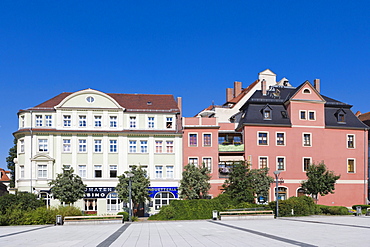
column 90, row 99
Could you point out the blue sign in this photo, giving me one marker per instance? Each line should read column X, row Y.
column 154, row 190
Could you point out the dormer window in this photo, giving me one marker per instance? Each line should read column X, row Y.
column 267, row 113
column 341, row 116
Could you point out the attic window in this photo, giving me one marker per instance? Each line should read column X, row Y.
column 149, row 103
column 90, row 99
column 341, row 118
column 306, row 91
column 267, row 114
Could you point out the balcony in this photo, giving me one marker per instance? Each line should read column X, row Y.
column 231, row 147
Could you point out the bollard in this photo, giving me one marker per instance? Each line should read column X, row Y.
column 59, row 220
column 214, row 214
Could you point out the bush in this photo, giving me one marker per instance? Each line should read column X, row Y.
column 333, row 210
column 301, row 206
column 22, row 200
column 125, row 215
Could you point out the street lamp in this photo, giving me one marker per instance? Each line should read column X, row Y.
column 276, row 173
column 129, row 175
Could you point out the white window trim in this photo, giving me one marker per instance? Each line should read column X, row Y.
column 308, row 115
column 307, row 133
column 173, row 122
column 268, row 141
column 110, row 144
column 70, row 145
column 116, row 121
column 203, row 134
column 145, row 145
column 276, row 139
column 173, row 171
column 129, row 122
column 155, row 171
column 154, row 122
column 354, row 165
column 303, row 158
column 277, row 164
column 354, row 141
column 211, row 165
column 129, row 146
column 197, row 139
column 267, row 161
column 305, row 111
column 192, row 157
column 79, row 151
column 304, row 89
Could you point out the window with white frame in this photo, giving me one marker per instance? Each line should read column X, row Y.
column 38, row 120
column 302, row 115
column 113, row 121
column 113, row 202
column 42, row 171
column 132, row 146
column 67, row 120
column 97, row 171
column 208, row 163
column 21, row 171
column 151, row 122
column 82, row 171
column 350, row 141
column 267, row 114
column 113, row 171
column 82, row 121
column 145, row 169
column 193, row 140
column 97, row 146
column 351, row 165
column 207, row 140
column 307, row 140
column 113, row 146
column 158, row 171
column 169, row 146
column 48, row 121
column 169, row 122
column 91, row 204
column 158, row 146
column 66, row 145
column 263, row 162
column 280, row 139
column 97, row 121
column 143, row 146
column 162, row 199
column 132, row 122
column 306, row 163
column 280, row 163
column 169, row 172
column 43, row 145
column 311, row 115
column 22, row 121
column 193, row 161
column 82, row 147
column 21, row 146
column 262, row 138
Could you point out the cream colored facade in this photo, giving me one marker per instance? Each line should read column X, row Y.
column 100, row 139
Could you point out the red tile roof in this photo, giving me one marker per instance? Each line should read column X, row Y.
column 131, row 102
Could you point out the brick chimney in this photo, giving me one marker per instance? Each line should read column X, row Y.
column 316, row 84
column 179, row 104
column 229, row 94
column 237, row 88
column 263, row 87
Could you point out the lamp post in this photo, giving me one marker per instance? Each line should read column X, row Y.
column 276, row 173
column 129, row 175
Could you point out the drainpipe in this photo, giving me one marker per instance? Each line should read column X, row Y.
column 31, row 133
column 366, row 167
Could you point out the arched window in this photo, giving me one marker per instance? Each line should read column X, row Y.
column 282, row 193
column 306, row 90
column 300, row 192
column 113, row 202
column 162, row 199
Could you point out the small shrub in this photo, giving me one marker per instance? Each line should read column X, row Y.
column 301, row 206
column 333, row 210
column 125, row 215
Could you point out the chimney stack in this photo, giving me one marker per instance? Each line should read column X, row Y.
column 229, row 94
column 316, row 84
column 179, row 105
column 263, row 87
column 237, row 88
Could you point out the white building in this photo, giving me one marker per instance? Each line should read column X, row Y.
column 100, row 136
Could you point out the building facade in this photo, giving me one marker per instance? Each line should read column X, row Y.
column 284, row 128
column 101, row 136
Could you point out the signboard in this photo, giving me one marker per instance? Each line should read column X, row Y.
column 155, row 190
column 98, row 192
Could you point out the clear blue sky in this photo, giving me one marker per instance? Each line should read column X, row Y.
column 192, row 49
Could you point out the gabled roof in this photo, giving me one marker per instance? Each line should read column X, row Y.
column 131, row 102
column 244, row 92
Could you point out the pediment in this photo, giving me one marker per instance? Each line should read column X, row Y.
column 42, row 157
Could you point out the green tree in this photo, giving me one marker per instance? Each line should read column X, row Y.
column 21, row 200
column 238, row 185
column 67, row 187
column 139, row 186
column 195, row 182
column 319, row 181
column 10, row 162
column 244, row 184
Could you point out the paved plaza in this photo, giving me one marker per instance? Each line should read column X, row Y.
column 295, row 231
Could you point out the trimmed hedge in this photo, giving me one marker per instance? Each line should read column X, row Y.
column 333, row 210
column 302, row 206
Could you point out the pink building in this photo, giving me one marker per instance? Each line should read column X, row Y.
column 285, row 129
